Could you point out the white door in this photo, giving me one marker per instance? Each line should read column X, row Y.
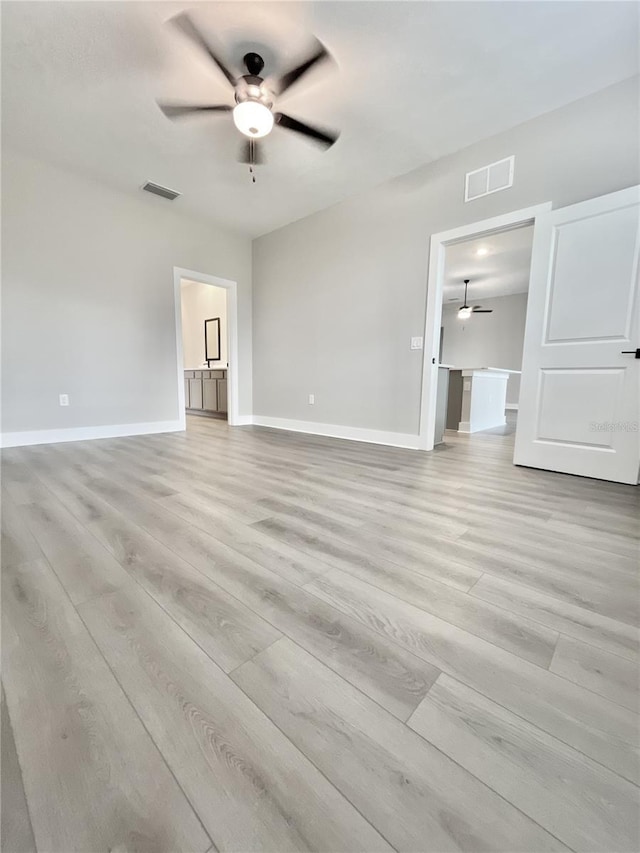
column 580, row 392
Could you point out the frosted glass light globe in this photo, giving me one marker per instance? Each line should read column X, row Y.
column 464, row 313
column 253, row 119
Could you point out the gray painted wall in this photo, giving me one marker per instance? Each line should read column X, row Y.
column 338, row 295
column 88, row 299
column 488, row 340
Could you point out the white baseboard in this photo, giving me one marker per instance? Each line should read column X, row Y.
column 511, row 407
column 54, row 436
column 370, row 436
column 467, row 427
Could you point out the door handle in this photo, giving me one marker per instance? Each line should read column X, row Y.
column 635, row 352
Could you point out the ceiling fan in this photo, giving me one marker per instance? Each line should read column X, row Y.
column 252, row 113
column 464, row 312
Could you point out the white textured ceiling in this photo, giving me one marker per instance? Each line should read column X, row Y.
column 412, row 82
column 501, row 270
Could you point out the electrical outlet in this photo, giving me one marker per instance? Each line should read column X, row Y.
column 416, row 343
column 64, row 399
column 312, row 399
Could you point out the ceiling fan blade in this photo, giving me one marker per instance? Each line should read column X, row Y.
column 252, row 158
column 482, row 310
column 185, row 110
column 184, row 23
column 325, row 137
column 287, row 80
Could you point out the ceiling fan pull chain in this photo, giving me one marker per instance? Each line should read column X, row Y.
column 252, row 160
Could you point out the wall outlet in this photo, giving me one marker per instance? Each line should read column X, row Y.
column 64, row 399
column 312, row 399
column 416, row 343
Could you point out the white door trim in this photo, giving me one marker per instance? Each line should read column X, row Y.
column 232, row 340
column 435, row 284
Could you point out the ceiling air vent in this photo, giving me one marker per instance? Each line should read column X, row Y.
column 156, row 189
column 489, row 179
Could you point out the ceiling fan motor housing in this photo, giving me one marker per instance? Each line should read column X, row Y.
column 253, row 114
column 251, row 88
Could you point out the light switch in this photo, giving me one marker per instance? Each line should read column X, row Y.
column 64, row 399
column 416, row 343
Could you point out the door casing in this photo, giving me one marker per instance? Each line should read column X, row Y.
column 435, row 285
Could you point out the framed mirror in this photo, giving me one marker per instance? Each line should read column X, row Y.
column 212, row 340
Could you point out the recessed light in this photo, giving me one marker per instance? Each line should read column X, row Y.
column 482, row 251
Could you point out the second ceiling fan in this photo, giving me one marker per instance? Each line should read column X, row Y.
column 465, row 311
column 254, row 97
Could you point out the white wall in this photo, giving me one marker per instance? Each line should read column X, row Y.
column 88, row 299
column 201, row 302
column 488, row 340
column 338, row 295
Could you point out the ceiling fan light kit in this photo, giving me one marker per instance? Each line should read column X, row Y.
column 253, row 119
column 253, row 113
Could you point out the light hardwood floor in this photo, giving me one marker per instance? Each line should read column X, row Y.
column 250, row 640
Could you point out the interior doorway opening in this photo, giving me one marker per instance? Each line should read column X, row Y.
column 483, row 314
column 435, row 290
column 194, row 396
column 205, row 351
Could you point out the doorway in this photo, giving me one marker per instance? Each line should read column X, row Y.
column 579, row 400
column 484, row 306
column 206, row 346
column 479, row 231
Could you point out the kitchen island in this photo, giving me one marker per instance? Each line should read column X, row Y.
column 477, row 398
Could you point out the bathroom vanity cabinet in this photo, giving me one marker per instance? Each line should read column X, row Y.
column 205, row 391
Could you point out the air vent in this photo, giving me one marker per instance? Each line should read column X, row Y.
column 489, row 179
column 156, row 189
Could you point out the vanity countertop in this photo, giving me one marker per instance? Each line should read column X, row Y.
column 486, row 369
column 207, row 367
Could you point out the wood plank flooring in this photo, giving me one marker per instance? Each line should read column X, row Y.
column 249, row 640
